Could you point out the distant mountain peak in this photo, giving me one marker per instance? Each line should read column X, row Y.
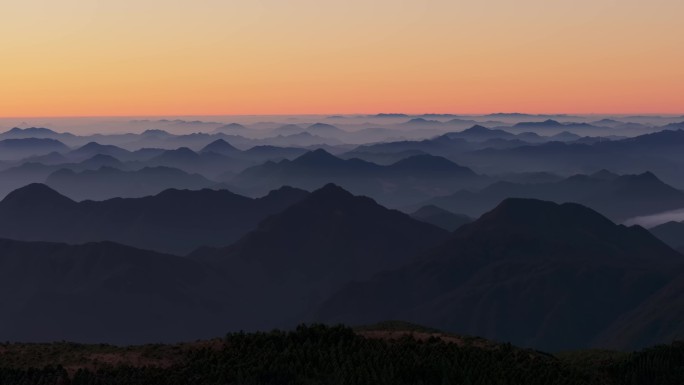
column 316, row 156
column 534, row 216
column 430, row 164
column 332, row 189
column 322, row 125
column 286, row 191
column 219, row 146
column 545, row 123
column 423, row 121
column 424, row 160
column 179, row 153
column 604, row 174
column 233, row 125
column 155, row 132
column 647, row 176
column 92, row 145
column 477, row 129
column 102, row 158
column 30, row 130
column 35, row 193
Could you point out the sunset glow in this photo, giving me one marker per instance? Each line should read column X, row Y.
column 154, row 57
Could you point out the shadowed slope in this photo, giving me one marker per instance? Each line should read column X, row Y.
column 531, row 272
column 295, row 259
column 174, row 221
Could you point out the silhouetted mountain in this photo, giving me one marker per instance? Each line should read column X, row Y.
column 288, row 129
column 36, row 132
column 531, row 272
column 440, row 146
column 36, row 198
column 403, row 182
column 424, row 165
column 177, row 156
column 461, row 122
column 220, row 146
column 18, row 176
column 48, row 159
column 231, row 128
column 607, row 123
column 671, row 233
column 266, row 153
column 604, row 175
column 156, row 134
column 218, row 160
column 440, row 217
column 42, row 133
column 108, row 182
column 323, row 129
column 618, row 197
column 320, row 163
column 530, row 137
column 420, row 122
column 173, row 221
column 479, row 133
column 389, row 115
column 26, row 147
column 295, row 259
column 545, row 124
column 511, row 115
column 30, row 132
column 565, row 136
column 104, row 292
column 658, row 152
column 381, row 158
column 101, row 160
column 302, row 139
column 93, row 148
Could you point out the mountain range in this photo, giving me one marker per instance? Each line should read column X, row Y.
column 398, row 183
column 173, row 221
column 109, row 182
column 295, row 259
column 530, row 272
column 535, row 273
column 271, row 277
column 671, row 233
column 510, row 228
column 440, row 217
column 619, row 197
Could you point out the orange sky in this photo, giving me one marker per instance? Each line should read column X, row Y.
column 202, row 57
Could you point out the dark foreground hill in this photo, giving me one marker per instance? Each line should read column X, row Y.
column 531, row 272
column 295, row 259
column 104, row 292
column 534, row 273
column 273, row 276
column 319, row 354
column 173, row 221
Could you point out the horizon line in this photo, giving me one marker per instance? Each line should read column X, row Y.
column 654, row 114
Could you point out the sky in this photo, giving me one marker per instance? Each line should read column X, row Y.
column 223, row 57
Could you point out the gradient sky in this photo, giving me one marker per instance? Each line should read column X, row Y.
column 173, row 57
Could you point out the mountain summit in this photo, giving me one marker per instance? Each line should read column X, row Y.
column 531, row 272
